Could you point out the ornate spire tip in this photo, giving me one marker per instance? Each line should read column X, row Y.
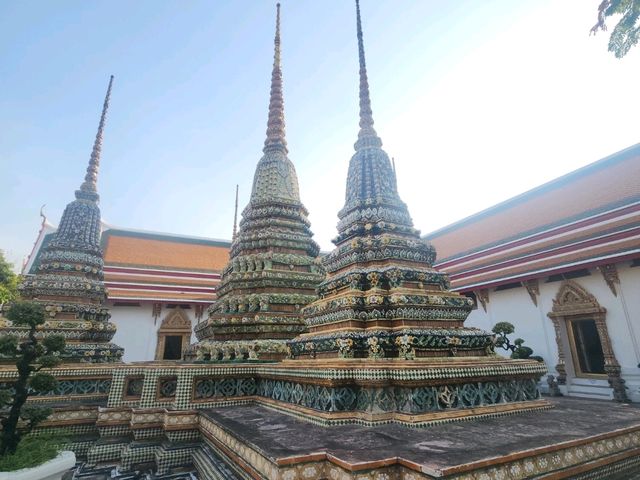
column 367, row 135
column 88, row 188
column 275, row 125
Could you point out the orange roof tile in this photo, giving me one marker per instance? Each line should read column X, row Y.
column 590, row 215
column 603, row 183
column 124, row 247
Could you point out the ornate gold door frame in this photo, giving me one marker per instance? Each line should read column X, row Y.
column 175, row 323
column 571, row 303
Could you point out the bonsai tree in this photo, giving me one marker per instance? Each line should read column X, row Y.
column 517, row 348
column 31, row 356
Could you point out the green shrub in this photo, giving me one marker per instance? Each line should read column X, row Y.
column 32, row 451
column 31, row 355
column 517, row 348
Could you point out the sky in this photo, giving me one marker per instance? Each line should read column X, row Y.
column 477, row 102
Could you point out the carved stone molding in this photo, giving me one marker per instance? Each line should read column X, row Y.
column 533, row 289
column 483, row 297
column 610, row 275
column 156, row 310
column 573, row 301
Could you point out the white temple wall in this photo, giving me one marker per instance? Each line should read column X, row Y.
column 536, row 328
column 626, row 339
column 137, row 330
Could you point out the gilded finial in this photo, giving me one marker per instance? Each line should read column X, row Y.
column 275, row 124
column 235, row 217
column 89, row 186
column 367, row 135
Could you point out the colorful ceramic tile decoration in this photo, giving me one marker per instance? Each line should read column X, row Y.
column 383, row 303
column 359, row 346
column 273, row 269
column 69, row 281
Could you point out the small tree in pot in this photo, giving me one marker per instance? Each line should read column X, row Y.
column 31, row 356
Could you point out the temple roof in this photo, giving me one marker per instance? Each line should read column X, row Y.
column 152, row 266
column 583, row 219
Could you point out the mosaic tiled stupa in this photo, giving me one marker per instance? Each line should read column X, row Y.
column 272, row 271
column 382, row 297
column 69, row 280
column 387, row 317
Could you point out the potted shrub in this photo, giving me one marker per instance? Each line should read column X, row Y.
column 25, row 456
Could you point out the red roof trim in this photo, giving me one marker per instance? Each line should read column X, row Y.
column 160, row 273
column 143, row 287
column 599, row 241
column 588, row 263
column 540, row 236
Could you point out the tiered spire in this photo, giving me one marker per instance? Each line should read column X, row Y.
column 275, row 176
column 235, row 216
column 371, row 181
column 275, row 124
column 272, row 271
column 69, row 277
column 381, row 296
column 89, row 186
column 367, row 135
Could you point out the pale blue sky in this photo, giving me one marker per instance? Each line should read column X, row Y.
column 477, row 101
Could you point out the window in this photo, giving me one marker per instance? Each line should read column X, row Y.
column 568, row 275
column 172, row 347
column 508, row 286
column 126, row 304
column 174, row 335
column 586, row 347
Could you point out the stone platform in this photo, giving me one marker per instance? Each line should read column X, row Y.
column 581, row 439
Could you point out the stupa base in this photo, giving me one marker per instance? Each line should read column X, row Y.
column 425, row 419
column 577, row 439
column 418, row 393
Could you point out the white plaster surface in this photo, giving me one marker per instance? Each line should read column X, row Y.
column 533, row 325
column 137, row 330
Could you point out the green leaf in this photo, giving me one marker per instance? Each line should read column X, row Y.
column 503, row 327
column 49, row 361
column 5, row 397
column 26, row 313
column 8, row 345
column 35, row 415
column 43, row 382
column 54, row 343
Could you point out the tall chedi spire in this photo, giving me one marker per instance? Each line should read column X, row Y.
column 272, row 271
column 69, row 278
column 382, row 299
column 89, row 187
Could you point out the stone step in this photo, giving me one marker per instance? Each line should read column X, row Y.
column 598, row 392
column 211, row 467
